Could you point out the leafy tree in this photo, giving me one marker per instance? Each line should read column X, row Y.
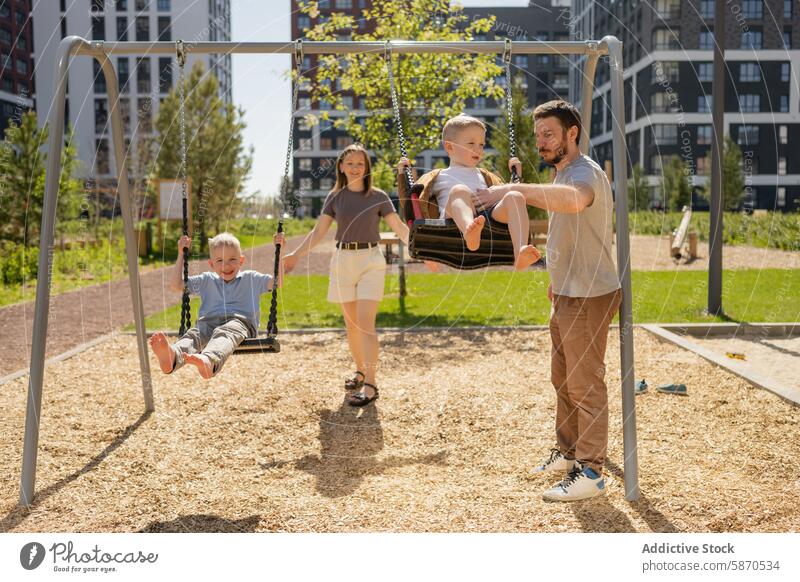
column 431, row 87
column 217, row 162
column 638, row 190
column 22, row 190
column 676, row 189
column 733, row 179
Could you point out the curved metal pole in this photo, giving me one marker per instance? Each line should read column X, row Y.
column 131, row 242
column 630, row 446
column 30, row 448
column 586, row 98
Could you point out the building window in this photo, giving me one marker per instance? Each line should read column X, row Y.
column 326, row 184
column 655, row 164
column 63, row 5
column 142, row 28
column 665, row 134
column 324, row 4
column 703, row 165
column 344, row 4
column 100, row 115
column 304, row 164
column 325, row 143
column 751, row 39
column 145, row 111
column 748, row 135
column 22, row 65
column 343, row 141
column 98, row 28
column 560, row 80
column 125, row 113
column 787, row 9
column 704, row 103
column 666, row 71
column 347, row 101
column 707, row 9
column 664, row 39
column 164, row 6
column 663, row 102
column 783, row 134
column 122, row 28
column 304, row 103
column 668, row 8
column 306, row 145
column 749, row 103
column 303, row 22
column 123, row 70
column 164, row 28
column 542, row 60
column 143, row 74
column 121, row 4
column 706, row 40
column 705, row 72
column 98, row 5
column 785, row 72
column 753, row 9
column 63, row 27
column 5, row 36
column 521, row 61
column 787, row 39
column 782, row 166
column 784, row 104
column 142, row 4
column 101, row 160
column 99, row 78
column 749, row 72
column 164, row 75
column 780, row 199
column 306, row 184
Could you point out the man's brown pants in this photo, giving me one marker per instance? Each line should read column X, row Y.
column 579, row 332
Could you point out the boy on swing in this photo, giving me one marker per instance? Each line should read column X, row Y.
column 229, row 308
column 449, row 193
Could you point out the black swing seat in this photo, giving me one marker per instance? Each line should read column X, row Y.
column 440, row 240
column 261, row 344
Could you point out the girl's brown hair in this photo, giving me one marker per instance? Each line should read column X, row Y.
column 341, row 178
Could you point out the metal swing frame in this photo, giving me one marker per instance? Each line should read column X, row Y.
column 73, row 46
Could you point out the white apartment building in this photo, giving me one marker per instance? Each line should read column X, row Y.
column 144, row 80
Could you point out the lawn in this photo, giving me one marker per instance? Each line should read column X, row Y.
column 505, row 298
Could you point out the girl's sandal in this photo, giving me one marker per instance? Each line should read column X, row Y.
column 354, row 383
column 361, row 399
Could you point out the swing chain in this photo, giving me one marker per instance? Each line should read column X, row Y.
column 186, row 314
column 396, row 108
column 512, row 142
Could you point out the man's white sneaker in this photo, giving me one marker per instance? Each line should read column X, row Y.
column 556, row 462
column 581, row 483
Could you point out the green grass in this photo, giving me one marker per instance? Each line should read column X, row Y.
column 503, row 298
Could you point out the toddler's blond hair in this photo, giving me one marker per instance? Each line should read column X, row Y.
column 455, row 124
column 224, row 239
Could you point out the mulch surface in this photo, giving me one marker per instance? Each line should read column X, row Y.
column 268, row 445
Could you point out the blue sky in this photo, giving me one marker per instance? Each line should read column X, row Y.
column 261, row 88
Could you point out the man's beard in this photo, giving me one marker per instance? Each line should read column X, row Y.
column 560, row 152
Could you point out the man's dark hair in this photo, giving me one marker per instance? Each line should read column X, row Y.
column 566, row 113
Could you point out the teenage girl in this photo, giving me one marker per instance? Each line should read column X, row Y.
column 358, row 267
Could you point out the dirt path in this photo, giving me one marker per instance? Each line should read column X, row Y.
column 84, row 314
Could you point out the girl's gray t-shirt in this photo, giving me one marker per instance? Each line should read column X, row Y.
column 358, row 214
column 579, row 256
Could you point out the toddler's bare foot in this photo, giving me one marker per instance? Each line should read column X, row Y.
column 202, row 363
column 527, row 256
column 473, row 235
column 163, row 351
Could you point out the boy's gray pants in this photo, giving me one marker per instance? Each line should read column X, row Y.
column 214, row 337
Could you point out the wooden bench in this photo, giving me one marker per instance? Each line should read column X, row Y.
column 389, row 239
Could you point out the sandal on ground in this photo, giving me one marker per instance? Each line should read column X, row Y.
column 354, row 383
column 361, row 399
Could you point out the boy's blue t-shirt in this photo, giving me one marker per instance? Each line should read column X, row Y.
column 238, row 298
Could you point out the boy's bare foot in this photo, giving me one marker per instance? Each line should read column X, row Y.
column 163, row 351
column 473, row 234
column 202, row 363
column 527, row 256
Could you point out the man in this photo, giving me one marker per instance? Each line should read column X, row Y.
column 585, row 292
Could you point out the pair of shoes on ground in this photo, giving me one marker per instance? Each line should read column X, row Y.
column 580, row 482
column 359, row 399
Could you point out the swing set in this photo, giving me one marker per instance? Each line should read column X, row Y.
column 431, row 239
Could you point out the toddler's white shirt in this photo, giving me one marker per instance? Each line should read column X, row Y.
column 453, row 176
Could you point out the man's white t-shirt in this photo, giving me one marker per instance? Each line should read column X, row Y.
column 453, row 176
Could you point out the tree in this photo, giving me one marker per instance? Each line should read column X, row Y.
column 733, row 190
column 532, row 170
column 431, row 87
column 217, row 162
column 676, row 189
column 638, row 190
column 22, row 192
